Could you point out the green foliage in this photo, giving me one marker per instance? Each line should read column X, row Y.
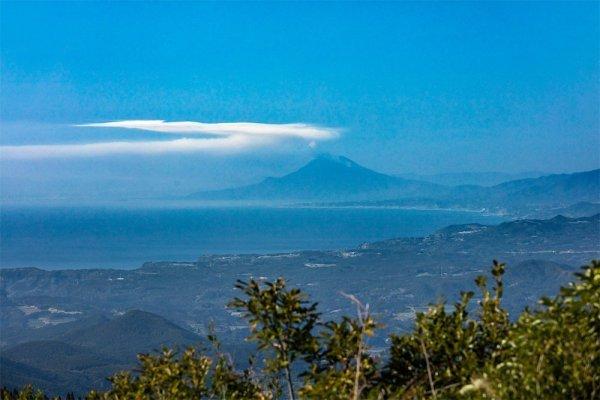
column 554, row 352
column 190, row 376
column 27, row 393
column 447, row 349
column 281, row 321
column 471, row 352
column 227, row 383
column 343, row 368
column 162, row 377
column 230, row 384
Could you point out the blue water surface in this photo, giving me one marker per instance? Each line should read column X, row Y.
column 126, row 237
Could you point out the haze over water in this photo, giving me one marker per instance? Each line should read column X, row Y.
column 112, row 237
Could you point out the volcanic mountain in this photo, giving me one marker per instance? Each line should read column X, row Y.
column 327, row 178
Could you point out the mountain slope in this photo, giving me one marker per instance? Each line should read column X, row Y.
column 472, row 178
column 326, row 178
column 81, row 359
column 55, row 355
column 15, row 334
column 17, row 375
column 558, row 189
column 559, row 236
column 581, row 209
column 533, row 196
column 131, row 333
column 576, row 194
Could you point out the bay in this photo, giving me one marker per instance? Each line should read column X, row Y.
column 126, row 237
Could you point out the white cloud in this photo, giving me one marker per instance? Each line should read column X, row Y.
column 227, row 144
column 230, row 137
column 306, row 131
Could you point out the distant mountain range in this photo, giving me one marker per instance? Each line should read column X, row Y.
column 534, row 195
column 338, row 181
column 472, row 178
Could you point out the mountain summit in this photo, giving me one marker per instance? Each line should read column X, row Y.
column 325, row 178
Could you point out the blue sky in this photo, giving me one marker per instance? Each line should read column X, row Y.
column 399, row 87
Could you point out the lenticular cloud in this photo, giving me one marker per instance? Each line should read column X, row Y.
column 300, row 130
column 225, row 137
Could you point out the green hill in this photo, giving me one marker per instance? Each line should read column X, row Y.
column 84, row 357
column 133, row 332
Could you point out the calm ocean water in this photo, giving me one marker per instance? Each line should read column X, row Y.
column 113, row 237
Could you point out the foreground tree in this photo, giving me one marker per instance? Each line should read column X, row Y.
column 343, row 368
column 551, row 352
column 446, row 350
column 281, row 322
column 191, row 376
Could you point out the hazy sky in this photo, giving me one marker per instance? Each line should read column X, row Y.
column 398, row 87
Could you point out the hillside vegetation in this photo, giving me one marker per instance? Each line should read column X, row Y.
column 472, row 351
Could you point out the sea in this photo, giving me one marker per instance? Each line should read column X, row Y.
column 60, row 237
